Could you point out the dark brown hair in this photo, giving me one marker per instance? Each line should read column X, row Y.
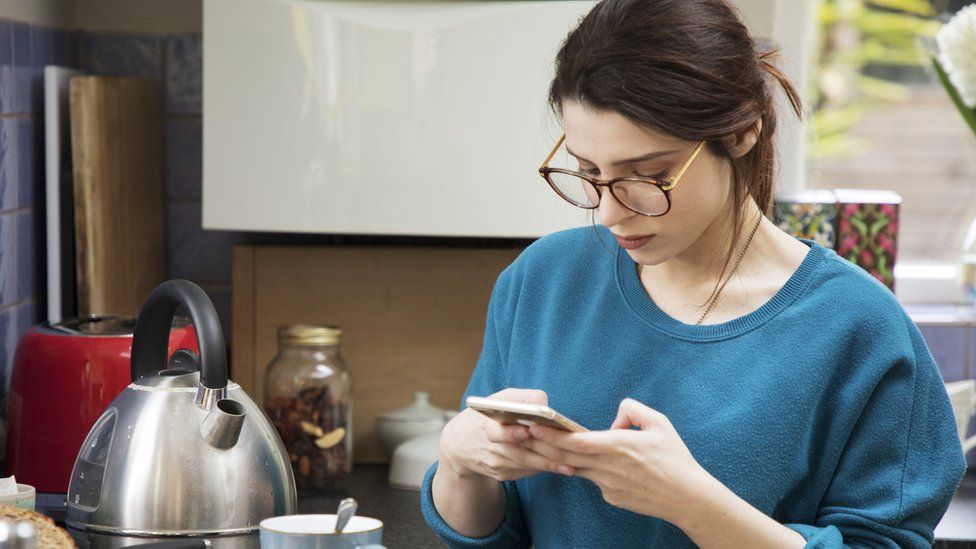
column 687, row 68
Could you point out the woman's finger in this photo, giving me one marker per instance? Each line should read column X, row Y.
column 538, row 462
column 558, row 455
column 506, row 434
column 631, row 413
column 589, row 443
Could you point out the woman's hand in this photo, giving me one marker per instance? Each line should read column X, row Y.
column 649, row 471
column 474, row 444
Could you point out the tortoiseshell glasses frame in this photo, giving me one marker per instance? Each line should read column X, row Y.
column 664, row 185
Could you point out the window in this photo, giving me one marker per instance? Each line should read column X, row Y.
column 883, row 121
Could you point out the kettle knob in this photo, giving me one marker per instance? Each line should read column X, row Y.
column 150, row 341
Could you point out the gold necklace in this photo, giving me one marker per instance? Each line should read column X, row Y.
column 711, row 302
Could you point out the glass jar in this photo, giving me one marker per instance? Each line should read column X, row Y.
column 308, row 396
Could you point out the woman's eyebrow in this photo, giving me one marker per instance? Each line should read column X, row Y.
column 634, row 160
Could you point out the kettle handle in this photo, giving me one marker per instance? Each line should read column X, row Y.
column 150, row 342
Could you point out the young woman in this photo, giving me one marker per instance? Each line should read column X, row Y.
column 743, row 388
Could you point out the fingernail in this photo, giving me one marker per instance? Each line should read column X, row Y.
column 535, row 431
column 521, row 434
column 565, row 470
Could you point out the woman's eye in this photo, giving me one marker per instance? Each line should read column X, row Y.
column 660, row 175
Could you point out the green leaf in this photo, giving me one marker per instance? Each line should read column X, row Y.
column 837, row 146
column 859, row 224
column 917, row 7
column 969, row 115
column 830, row 121
column 877, row 21
column 873, row 50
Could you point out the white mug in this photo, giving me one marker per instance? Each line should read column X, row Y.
column 318, row 532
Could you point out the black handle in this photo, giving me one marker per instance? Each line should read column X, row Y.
column 150, row 342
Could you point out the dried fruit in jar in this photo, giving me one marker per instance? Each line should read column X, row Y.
column 314, row 429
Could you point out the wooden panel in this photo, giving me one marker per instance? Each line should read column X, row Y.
column 242, row 321
column 120, row 238
column 413, row 318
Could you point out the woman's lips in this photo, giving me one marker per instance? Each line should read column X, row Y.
column 632, row 244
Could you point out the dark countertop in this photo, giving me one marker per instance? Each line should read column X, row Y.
column 404, row 525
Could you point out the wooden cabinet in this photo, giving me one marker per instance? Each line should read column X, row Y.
column 413, row 318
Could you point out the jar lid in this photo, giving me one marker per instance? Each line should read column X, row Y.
column 420, row 410
column 309, row 334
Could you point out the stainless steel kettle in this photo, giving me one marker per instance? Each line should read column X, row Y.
column 180, row 452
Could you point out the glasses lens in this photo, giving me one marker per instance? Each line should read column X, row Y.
column 576, row 190
column 641, row 196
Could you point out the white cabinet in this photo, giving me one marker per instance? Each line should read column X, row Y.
column 400, row 118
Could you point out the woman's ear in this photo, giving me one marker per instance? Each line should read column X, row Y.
column 738, row 144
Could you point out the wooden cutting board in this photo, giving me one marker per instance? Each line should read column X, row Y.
column 117, row 152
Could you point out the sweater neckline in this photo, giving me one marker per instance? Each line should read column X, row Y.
column 636, row 297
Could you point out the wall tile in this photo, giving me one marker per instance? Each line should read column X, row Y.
column 66, row 48
column 192, row 252
column 7, row 101
column 122, row 55
column 184, row 74
column 8, row 259
column 27, row 164
column 18, row 98
column 184, row 158
column 17, row 257
column 948, row 346
column 6, row 42
column 22, row 42
column 14, row 322
column 27, row 285
column 8, row 344
column 221, row 297
column 42, row 46
column 18, row 163
column 6, row 66
column 8, row 164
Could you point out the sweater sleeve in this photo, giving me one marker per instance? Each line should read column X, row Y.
column 488, row 378
column 901, row 466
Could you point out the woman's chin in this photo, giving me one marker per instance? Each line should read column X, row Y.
column 648, row 256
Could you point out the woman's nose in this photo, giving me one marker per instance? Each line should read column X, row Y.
column 611, row 210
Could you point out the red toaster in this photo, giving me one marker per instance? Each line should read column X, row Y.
column 64, row 376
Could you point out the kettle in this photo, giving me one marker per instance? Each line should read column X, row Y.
column 182, row 451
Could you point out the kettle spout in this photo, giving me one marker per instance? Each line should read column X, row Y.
column 222, row 426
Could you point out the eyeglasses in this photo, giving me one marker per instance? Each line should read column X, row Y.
column 642, row 195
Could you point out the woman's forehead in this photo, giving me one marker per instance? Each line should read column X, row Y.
column 603, row 135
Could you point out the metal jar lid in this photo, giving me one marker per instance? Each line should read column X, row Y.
column 309, row 334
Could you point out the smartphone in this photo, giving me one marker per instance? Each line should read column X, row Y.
column 521, row 413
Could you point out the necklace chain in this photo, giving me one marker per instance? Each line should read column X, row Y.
column 711, row 302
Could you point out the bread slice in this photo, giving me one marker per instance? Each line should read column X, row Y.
column 49, row 536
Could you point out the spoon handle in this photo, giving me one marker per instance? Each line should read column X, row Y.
column 347, row 508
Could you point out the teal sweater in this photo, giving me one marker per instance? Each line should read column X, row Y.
column 823, row 408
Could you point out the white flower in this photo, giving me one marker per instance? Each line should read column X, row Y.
column 957, row 52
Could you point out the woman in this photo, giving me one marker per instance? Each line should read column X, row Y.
column 743, row 388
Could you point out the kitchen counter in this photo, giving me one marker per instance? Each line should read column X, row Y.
column 404, row 526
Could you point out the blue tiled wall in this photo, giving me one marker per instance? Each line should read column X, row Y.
column 24, row 50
